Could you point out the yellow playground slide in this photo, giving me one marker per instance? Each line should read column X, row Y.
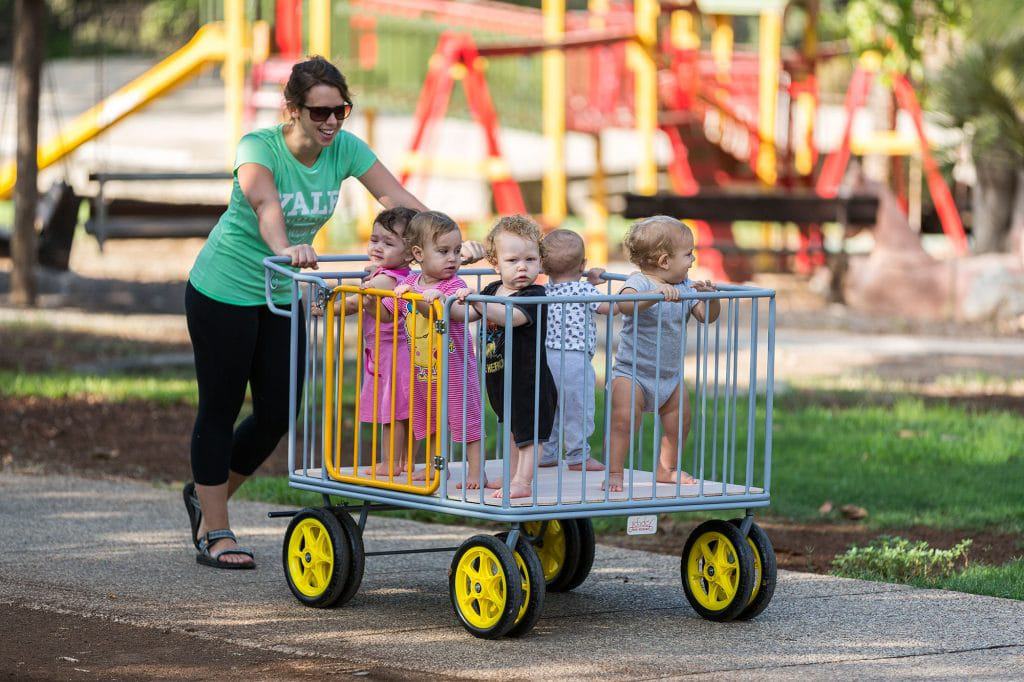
column 208, row 46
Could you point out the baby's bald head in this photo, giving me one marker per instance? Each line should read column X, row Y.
column 564, row 253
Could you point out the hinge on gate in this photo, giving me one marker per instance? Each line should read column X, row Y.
column 439, row 462
column 321, row 297
column 440, row 327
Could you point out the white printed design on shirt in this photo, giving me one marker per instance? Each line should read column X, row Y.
column 579, row 333
column 306, row 212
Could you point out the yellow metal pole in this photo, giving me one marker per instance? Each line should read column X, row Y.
column 553, row 204
column 234, row 72
column 683, row 29
column 805, row 108
column 769, row 42
column 597, row 219
column 320, row 43
column 645, row 16
column 596, row 227
column 320, row 28
column 364, row 223
column 721, row 45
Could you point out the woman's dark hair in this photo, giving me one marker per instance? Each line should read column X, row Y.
column 314, row 71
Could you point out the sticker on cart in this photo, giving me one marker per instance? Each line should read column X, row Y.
column 642, row 525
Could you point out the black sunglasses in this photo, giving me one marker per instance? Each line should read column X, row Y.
column 321, row 114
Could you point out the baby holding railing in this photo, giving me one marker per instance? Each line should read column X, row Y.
column 647, row 370
column 571, row 342
column 386, row 360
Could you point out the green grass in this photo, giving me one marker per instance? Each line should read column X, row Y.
column 995, row 581
column 163, row 389
column 907, row 463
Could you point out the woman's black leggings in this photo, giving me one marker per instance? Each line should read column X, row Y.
column 234, row 346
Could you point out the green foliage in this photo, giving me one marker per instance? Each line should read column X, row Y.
column 982, row 91
column 167, row 24
column 898, row 560
column 83, row 27
column 901, row 29
column 895, row 559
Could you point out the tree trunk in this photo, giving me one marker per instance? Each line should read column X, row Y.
column 992, row 201
column 28, row 56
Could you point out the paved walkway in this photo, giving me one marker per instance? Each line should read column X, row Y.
column 120, row 551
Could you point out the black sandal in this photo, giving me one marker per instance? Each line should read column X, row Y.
column 195, row 512
column 205, row 558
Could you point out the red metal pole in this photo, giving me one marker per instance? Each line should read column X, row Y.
column 944, row 204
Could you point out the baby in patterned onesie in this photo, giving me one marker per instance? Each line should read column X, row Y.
column 571, row 342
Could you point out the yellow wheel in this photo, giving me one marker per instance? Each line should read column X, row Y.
column 717, row 570
column 557, row 543
column 765, row 571
column 316, row 557
column 485, row 586
column 531, row 576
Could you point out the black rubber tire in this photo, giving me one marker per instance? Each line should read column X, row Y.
column 358, row 553
column 765, row 585
column 586, row 554
column 743, row 557
column 513, row 587
column 570, row 535
column 341, row 558
column 535, row 579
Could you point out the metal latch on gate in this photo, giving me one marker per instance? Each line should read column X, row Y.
column 321, row 297
column 439, row 462
column 440, row 327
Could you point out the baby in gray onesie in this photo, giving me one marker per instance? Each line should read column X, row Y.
column 647, row 372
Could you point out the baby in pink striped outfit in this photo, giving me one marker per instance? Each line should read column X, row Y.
column 435, row 242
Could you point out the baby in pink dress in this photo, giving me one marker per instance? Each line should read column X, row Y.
column 435, row 242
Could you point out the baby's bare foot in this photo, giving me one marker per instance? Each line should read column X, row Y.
column 515, row 490
column 544, row 464
column 381, row 470
column 496, row 483
column 472, row 480
column 614, row 483
column 591, row 463
column 669, row 476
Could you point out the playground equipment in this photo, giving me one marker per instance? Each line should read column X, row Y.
column 497, row 584
column 617, row 66
column 892, row 144
column 739, row 123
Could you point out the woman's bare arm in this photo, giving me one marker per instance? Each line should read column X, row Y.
column 387, row 190
column 257, row 184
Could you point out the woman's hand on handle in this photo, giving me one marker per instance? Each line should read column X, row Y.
column 302, row 255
